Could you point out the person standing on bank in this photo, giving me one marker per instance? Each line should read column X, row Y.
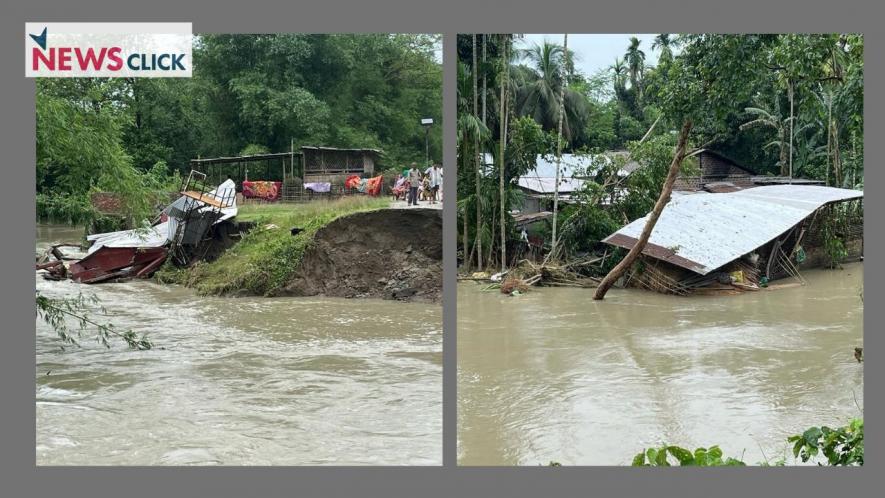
column 414, row 181
column 434, row 174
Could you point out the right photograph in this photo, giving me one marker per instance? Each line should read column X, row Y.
column 660, row 249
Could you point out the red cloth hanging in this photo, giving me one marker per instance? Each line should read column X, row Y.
column 353, row 181
column 269, row 191
column 373, row 185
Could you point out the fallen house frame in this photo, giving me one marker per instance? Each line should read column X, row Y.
column 741, row 240
column 180, row 232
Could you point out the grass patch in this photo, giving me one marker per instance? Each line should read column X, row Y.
column 265, row 260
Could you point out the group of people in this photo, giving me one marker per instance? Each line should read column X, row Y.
column 414, row 184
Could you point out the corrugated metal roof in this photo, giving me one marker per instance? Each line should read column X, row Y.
column 337, row 149
column 703, row 231
column 571, row 165
column 542, row 178
column 546, row 185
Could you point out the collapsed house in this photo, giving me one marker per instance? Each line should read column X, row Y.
column 742, row 239
column 183, row 232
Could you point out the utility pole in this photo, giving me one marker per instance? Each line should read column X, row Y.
column 427, row 123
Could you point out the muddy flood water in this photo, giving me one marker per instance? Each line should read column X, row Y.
column 552, row 375
column 244, row 381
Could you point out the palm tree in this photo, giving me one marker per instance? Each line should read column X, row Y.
column 635, row 60
column 772, row 119
column 619, row 70
column 539, row 92
column 664, row 43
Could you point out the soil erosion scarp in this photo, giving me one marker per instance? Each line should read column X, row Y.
column 388, row 253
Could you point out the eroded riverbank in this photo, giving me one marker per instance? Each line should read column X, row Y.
column 554, row 376
column 352, row 247
column 241, row 381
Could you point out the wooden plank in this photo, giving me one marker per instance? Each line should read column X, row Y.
column 208, row 199
column 147, row 270
column 50, row 264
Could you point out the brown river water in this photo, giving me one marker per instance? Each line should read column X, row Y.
column 240, row 381
column 552, row 375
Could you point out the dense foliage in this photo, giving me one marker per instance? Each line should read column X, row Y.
column 248, row 94
column 784, row 105
column 667, row 455
column 842, row 446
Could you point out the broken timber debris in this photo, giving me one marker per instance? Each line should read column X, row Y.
column 180, row 233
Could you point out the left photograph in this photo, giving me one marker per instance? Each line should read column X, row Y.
column 243, row 267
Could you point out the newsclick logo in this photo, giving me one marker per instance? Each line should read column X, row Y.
column 126, row 50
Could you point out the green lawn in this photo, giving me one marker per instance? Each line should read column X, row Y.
column 263, row 262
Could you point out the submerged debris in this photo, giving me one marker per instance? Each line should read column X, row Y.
column 514, row 286
column 179, row 232
column 557, row 275
column 742, row 240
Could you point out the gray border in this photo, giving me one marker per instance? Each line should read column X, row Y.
column 450, row 263
column 21, row 478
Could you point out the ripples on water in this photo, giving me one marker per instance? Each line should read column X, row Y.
column 554, row 375
column 245, row 381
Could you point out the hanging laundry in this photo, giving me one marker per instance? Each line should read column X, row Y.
column 269, row 191
column 371, row 186
column 318, row 187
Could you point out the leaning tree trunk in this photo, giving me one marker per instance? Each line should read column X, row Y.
column 664, row 198
column 554, row 241
column 477, row 166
